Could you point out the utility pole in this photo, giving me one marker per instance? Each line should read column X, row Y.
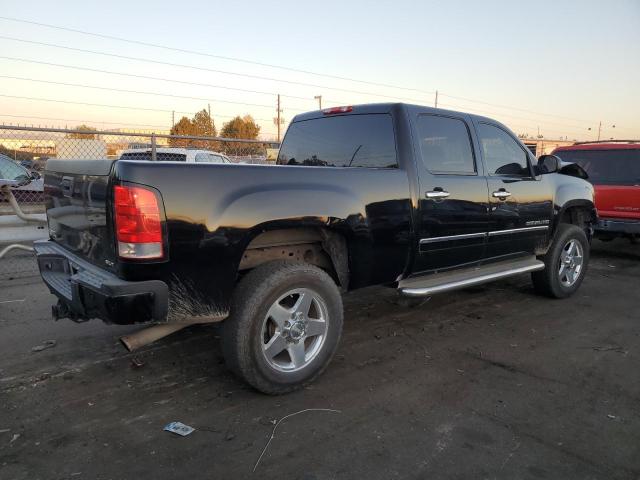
column 210, row 119
column 173, row 118
column 599, row 129
column 278, row 118
column 319, row 98
column 436, row 104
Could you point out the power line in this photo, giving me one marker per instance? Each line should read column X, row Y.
column 515, row 108
column 163, row 79
column 147, row 77
column 544, row 122
column 204, row 69
column 210, row 55
column 282, row 67
column 112, row 123
column 69, row 102
column 127, row 107
column 213, row 86
column 138, row 92
column 85, row 121
column 160, row 79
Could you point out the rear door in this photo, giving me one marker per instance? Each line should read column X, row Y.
column 453, row 218
column 521, row 205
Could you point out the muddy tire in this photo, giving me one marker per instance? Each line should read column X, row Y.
column 284, row 328
column 565, row 263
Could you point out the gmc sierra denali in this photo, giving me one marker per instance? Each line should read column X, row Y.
column 424, row 200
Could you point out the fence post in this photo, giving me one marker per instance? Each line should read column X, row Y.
column 153, row 147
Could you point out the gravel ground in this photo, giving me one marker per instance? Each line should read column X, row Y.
column 490, row 382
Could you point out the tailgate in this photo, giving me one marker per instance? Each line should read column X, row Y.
column 76, row 194
column 614, row 201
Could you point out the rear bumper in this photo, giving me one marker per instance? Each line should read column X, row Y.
column 618, row 226
column 86, row 291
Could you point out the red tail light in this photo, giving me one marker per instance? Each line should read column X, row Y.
column 335, row 110
column 138, row 223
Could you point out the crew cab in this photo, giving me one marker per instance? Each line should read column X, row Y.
column 614, row 170
column 419, row 199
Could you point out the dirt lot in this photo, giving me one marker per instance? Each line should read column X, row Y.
column 490, row 382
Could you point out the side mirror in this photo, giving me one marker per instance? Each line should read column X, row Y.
column 548, row 164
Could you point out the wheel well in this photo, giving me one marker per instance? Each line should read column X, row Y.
column 317, row 246
column 580, row 216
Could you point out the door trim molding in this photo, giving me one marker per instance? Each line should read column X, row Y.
column 518, row 230
column 493, row 233
column 452, row 237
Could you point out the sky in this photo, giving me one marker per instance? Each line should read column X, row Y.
column 560, row 67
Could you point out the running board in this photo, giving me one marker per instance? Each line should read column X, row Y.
column 443, row 282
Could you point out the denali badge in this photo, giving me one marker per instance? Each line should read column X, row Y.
column 532, row 223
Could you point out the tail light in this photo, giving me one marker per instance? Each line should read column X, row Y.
column 138, row 223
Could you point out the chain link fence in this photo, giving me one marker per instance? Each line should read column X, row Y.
column 32, row 147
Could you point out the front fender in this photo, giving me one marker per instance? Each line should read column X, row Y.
column 570, row 193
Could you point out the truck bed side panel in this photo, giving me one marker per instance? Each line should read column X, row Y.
column 214, row 211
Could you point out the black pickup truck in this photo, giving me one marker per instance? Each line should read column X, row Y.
column 420, row 199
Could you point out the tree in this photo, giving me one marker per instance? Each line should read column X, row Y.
column 245, row 128
column 201, row 125
column 183, row 127
column 83, row 128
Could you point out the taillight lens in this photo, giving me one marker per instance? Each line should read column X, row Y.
column 336, row 110
column 138, row 223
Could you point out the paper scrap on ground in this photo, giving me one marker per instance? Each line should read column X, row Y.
column 179, row 428
column 44, row 346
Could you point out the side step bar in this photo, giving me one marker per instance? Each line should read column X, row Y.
column 444, row 282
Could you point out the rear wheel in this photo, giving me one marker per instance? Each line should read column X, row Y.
column 285, row 324
column 565, row 263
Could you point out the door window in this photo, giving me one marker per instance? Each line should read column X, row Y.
column 502, row 154
column 445, row 145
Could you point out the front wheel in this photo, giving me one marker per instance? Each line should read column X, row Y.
column 565, row 263
column 285, row 325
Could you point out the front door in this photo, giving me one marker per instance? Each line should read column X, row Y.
column 521, row 206
column 453, row 195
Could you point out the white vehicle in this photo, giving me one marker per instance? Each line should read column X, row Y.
column 173, row 154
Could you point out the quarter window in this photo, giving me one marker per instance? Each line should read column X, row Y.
column 445, row 145
column 502, row 154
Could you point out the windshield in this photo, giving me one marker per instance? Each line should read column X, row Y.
column 606, row 167
column 9, row 170
column 160, row 156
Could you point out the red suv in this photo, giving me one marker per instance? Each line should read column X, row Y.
column 614, row 170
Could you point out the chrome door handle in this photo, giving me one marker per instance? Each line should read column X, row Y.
column 437, row 194
column 501, row 194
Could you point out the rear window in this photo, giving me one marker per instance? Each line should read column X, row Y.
column 606, row 167
column 341, row 141
column 160, row 156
